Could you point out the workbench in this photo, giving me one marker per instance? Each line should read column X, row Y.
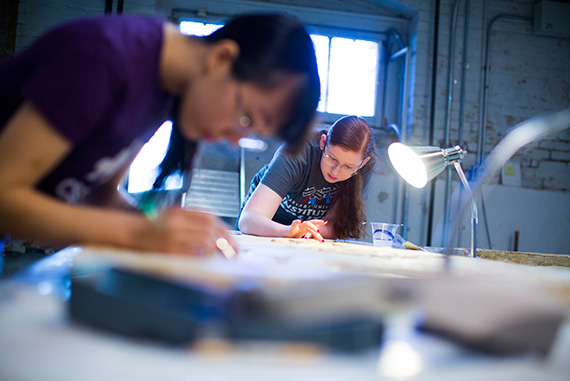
column 39, row 339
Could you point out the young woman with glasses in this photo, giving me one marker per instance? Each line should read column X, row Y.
column 316, row 193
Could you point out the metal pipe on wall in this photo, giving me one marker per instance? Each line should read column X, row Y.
column 476, row 166
column 448, row 108
column 404, row 136
column 401, row 211
column 464, row 66
column 387, row 58
column 485, row 88
column 404, row 91
column 109, row 6
column 432, row 118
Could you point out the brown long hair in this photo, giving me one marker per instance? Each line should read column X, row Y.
column 352, row 133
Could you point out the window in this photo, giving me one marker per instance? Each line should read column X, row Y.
column 144, row 169
column 195, row 28
column 348, row 69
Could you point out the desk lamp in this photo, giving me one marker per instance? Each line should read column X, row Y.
column 419, row 165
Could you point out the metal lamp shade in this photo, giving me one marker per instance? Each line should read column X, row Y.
column 419, row 165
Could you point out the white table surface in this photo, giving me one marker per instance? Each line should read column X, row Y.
column 38, row 340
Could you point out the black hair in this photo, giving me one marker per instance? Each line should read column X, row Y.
column 179, row 154
column 270, row 45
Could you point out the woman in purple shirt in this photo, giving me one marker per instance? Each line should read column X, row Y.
column 77, row 106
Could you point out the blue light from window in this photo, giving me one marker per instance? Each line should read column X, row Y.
column 197, row 28
column 144, row 168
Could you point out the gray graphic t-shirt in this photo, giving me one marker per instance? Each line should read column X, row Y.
column 299, row 181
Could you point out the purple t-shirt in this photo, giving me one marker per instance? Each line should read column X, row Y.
column 96, row 80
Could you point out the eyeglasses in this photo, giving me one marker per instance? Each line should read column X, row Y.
column 343, row 168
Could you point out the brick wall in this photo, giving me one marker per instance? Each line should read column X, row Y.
column 36, row 16
column 529, row 75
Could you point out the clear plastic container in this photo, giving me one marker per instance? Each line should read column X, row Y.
column 383, row 233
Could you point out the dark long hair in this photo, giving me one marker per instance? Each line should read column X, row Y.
column 270, row 45
column 352, row 133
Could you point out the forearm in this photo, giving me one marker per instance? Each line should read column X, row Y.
column 255, row 223
column 30, row 149
column 112, row 195
column 30, row 215
column 115, row 200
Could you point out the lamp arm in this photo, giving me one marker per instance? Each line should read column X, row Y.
column 518, row 136
column 474, row 214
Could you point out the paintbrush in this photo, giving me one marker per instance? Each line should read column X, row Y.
column 412, row 246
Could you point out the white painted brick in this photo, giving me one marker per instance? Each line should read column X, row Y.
column 537, row 154
column 556, row 175
column 560, row 156
column 555, row 145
